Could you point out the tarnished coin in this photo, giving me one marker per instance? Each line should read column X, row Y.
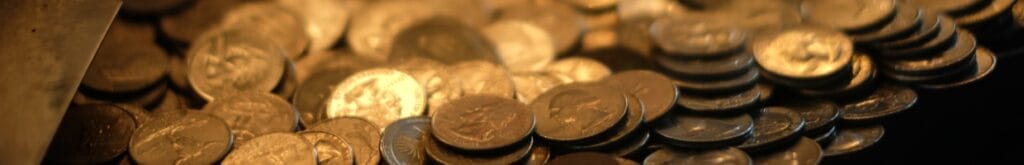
column 730, row 156
column 850, row 16
column 311, row 97
column 401, row 141
column 633, row 145
column 773, row 126
column 275, row 148
column 271, row 22
column 522, row 46
column 330, row 149
column 530, row 85
column 147, row 97
column 954, row 8
column 362, row 136
column 187, row 25
column 656, row 92
column 737, row 83
column 482, row 122
column 864, row 72
column 450, row 156
column 91, row 134
column 988, row 12
column 907, row 19
column 561, row 21
column 229, row 61
column 961, row 53
column 152, row 7
column 483, row 77
column 374, row 27
column 697, row 36
column 703, row 131
column 129, row 60
column 707, row 68
column 539, row 155
column 819, row 115
column 195, row 138
column 139, row 115
column 986, row 62
column 575, row 112
column 378, row 95
column 804, row 152
column 444, row 39
column 887, row 100
column 720, row 103
column 852, row 139
column 825, row 138
column 254, row 114
column 947, row 35
column 579, row 69
column 804, row 52
column 594, row 158
column 325, row 20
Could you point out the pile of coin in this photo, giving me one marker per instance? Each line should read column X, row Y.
column 518, row 81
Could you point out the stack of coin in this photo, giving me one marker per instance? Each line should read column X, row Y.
column 129, row 68
column 992, row 21
column 709, row 61
column 806, row 57
column 480, row 129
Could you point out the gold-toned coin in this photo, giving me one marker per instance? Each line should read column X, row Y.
column 804, row 52
column 381, row 96
column 578, row 69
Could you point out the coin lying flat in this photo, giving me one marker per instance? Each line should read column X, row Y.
column 444, row 39
column 194, row 138
column 483, row 77
column 929, row 28
column 275, row 148
column 730, row 155
column 272, row 22
column 994, row 8
column 946, row 36
column 380, row 96
column 325, row 20
column 825, row 138
column 449, row 156
column 362, row 135
column 230, row 61
column 152, row 7
column 539, row 155
column 885, row 101
column 864, row 72
column 253, row 114
column 906, row 20
column 763, row 16
column 712, row 68
column 959, row 54
column 575, row 112
column 401, row 141
column 482, row 122
column 804, row 152
column 594, row 158
column 330, row 149
column 593, row 5
column 704, row 131
column 561, row 21
column 738, row 83
column 91, row 134
column 852, row 139
column 986, row 62
column 775, row 125
column 127, row 61
column 721, row 102
column 656, row 92
column 818, row 114
column 649, row 9
column 311, row 97
column 633, row 145
column 697, row 36
column 374, row 27
column 522, row 46
column 579, row 69
column 189, row 24
column 634, row 117
column 804, row 52
column 851, row 16
column 955, row 8
column 139, row 115
column 530, row 85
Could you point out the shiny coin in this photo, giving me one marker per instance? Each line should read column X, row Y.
column 804, row 52
column 230, row 61
column 374, row 27
column 634, row 117
column 825, row 138
column 578, row 69
column 310, row 99
column 378, row 95
column 362, row 136
column 851, row 16
column 539, row 155
column 773, row 126
column 561, row 21
column 450, row 156
column 656, row 92
column 634, row 34
column 254, row 114
column 986, row 62
column 275, row 148
column 731, row 156
column 947, row 35
column 576, row 112
column 707, row 68
column 483, row 77
column 907, row 19
column 819, row 115
column 721, row 102
column 864, row 72
column 438, row 83
column 194, row 138
column 955, row 8
column 704, row 131
column 804, row 152
column 482, row 122
column 401, row 141
column 530, row 85
column 852, row 139
column 273, row 23
column 325, row 20
column 697, row 36
column 994, row 8
column 129, row 60
column 444, row 39
column 737, row 83
column 887, row 100
column 91, row 134
column 961, row 53
column 187, row 25
column 521, row 45
column 593, row 158
column 330, row 149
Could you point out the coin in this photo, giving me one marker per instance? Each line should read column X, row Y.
column 954, row 8
column 960, row 54
column 730, row 102
column 289, row 82
column 561, row 21
column 656, row 92
column 275, row 148
column 171, row 105
column 697, row 36
column 579, row 69
column 634, row 34
column 264, row 18
column 737, row 83
column 325, row 20
column 762, row 16
column 863, row 71
column 729, row 155
column 819, row 115
column 804, row 151
column 804, row 52
column 539, row 155
column 443, row 39
column 91, row 134
column 628, row 10
column 330, row 149
column 445, row 155
column 379, row 95
column 146, row 98
column 310, row 99
column 401, row 141
column 483, row 77
column 374, row 27
column 522, row 46
column 634, row 117
column 766, row 89
column 986, row 62
column 592, row 5
column 704, row 131
column 624, row 161
column 946, row 36
column 852, row 139
column 632, row 145
column 254, row 114
column 707, row 68
column 188, row 24
column 128, row 60
column 482, row 122
column 618, row 58
column 885, row 101
column 530, row 85
column 928, row 29
column 775, row 125
column 336, row 61
column 826, row 137
column 850, row 16
column 576, row 112
column 229, row 61
column 152, row 7
column 993, row 8
column 139, row 115
column 907, row 19
column 362, row 136
column 195, row 138
column 594, row 158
